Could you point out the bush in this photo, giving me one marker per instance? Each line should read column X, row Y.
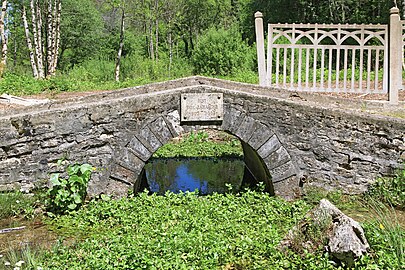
column 222, row 52
column 68, row 194
column 389, row 190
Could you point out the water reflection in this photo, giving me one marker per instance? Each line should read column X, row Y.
column 206, row 175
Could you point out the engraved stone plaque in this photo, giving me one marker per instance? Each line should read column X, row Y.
column 202, row 107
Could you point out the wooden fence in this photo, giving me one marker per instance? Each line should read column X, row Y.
column 346, row 58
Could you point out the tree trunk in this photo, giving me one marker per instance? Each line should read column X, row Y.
column 36, row 33
column 3, row 62
column 151, row 47
column 119, row 53
column 49, row 50
column 157, row 29
column 39, row 28
column 58, row 10
column 170, row 40
column 29, row 44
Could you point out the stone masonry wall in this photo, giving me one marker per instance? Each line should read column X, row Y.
column 298, row 141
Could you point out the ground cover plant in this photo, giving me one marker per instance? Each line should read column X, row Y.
column 187, row 231
column 198, row 144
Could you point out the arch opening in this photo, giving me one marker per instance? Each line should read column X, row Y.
column 206, row 160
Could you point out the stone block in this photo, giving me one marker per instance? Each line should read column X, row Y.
column 277, row 158
column 151, row 138
column 261, row 134
column 269, row 147
column 161, row 130
column 283, row 172
column 139, row 149
column 173, row 122
column 122, row 173
column 246, row 128
column 232, row 119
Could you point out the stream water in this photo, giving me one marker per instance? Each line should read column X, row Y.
column 208, row 175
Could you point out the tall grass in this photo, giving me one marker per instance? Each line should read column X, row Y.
column 385, row 233
column 16, row 203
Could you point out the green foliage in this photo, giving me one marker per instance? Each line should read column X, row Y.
column 178, row 231
column 82, row 34
column 15, row 204
column 386, row 236
column 185, row 231
column 389, row 190
column 222, row 52
column 198, row 145
column 68, row 194
column 26, row 258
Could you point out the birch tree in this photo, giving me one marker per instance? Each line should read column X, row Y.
column 119, row 52
column 42, row 67
column 3, row 38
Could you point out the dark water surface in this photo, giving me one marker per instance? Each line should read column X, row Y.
column 185, row 174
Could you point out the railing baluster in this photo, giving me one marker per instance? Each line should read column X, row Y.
column 346, row 56
column 322, row 67
column 299, row 68
column 368, row 70
column 353, row 81
column 277, row 65
column 330, row 69
column 292, row 62
column 285, row 68
column 307, row 69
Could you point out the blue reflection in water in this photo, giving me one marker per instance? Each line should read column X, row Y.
column 206, row 175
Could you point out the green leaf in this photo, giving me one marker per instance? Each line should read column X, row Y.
column 86, row 168
column 72, row 170
column 72, row 206
column 55, row 179
column 77, row 198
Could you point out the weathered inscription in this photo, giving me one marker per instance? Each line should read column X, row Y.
column 202, row 107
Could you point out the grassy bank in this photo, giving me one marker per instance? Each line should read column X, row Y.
column 187, row 231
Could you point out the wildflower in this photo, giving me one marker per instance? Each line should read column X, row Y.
column 17, row 201
column 382, row 227
column 19, row 263
column 16, row 268
column 7, row 263
column 1, row 255
column 39, row 268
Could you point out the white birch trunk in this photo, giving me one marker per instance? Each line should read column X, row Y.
column 119, row 53
column 29, row 44
column 3, row 62
column 37, row 32
column 39, row 27
column 49, row 25
column 157, row 29
column 57, row 38
column 53, row 46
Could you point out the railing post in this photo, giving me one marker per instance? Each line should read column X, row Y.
column 261, row 57
column 395, row 56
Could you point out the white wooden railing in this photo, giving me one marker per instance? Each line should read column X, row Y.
column 332, row 57
column 318, row 57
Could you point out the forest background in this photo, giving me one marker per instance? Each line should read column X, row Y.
column 79, row 45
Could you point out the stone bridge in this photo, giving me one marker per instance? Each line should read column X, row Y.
column 289, row 139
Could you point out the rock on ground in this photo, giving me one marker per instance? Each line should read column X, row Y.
column 327, row 227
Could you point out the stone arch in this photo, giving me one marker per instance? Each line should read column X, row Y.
column 265, row 157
